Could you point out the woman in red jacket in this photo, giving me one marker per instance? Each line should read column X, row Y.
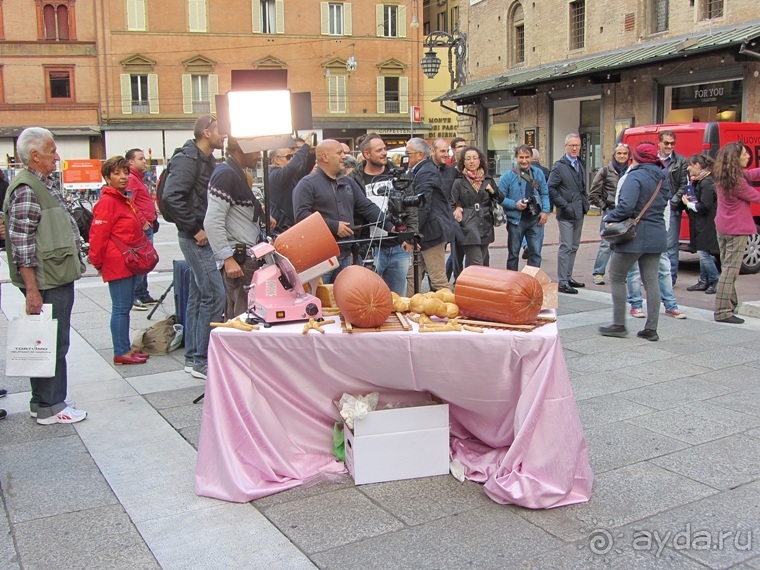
column 115, row 216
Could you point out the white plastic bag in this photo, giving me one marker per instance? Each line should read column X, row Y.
column 31, row 347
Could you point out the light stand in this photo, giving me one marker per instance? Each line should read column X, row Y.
column 457, row 46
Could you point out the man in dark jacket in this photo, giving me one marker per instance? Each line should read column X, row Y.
column 677, row 176
column 288, row 166
column 375, row 175
column 337, row 198
column 185, row 200
column 435, row 216
column 567, row 188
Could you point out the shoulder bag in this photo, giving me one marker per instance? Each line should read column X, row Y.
column 621, row 232
column 139, row 258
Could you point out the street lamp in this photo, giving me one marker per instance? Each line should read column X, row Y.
column 457, row 46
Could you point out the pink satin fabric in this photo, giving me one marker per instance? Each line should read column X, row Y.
column 268, row 412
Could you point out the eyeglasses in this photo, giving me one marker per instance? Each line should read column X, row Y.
column 286, row 156
column 573, row 145
column 668, row 143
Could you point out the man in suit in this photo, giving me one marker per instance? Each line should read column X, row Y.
column 567, row 188
column 677, row 177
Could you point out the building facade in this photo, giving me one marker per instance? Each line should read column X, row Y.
column 540, row 70
column 141, row 71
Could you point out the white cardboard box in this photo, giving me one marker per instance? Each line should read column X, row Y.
column 399, row 443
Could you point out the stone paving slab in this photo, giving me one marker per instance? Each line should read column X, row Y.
column 607, row 409
column 102, row 538
column 675, row 393
column 746, row 401
column 587, row 386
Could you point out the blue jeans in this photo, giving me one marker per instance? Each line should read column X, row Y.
column 533, row 235
column 48, row 394
column 122, row 296
column 392, row 264
column 663, row 277
column 708, row 271
column 141, row 281
column 674, row 231
column 603, row 255
column 205, row 301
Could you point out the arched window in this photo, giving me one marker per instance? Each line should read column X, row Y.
column 55, row 20
column 516, row 31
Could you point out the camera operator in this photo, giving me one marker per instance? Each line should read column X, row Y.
column 288, row 167
column 337, row 198
column 436, row 220
column 527, row 208
column 375, row 175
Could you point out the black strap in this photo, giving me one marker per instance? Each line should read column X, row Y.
column 657, row 191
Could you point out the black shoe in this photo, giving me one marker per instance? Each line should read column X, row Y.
column 649, row 334
column 711, row 289
column 733, row 320
column 698, row 286
column 3, row 392
column 3, row 413
column 574, row 283
column 567, row 289
column 525, row 253
column 614, row 330
column 149, row 301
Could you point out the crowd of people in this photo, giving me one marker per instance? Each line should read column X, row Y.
column 383, row 215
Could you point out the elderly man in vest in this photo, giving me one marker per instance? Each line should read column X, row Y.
column 44, row 262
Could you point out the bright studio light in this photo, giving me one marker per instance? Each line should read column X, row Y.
column 259, row 113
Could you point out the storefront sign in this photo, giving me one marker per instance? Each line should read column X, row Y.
column 531, row 136
column 719, row 94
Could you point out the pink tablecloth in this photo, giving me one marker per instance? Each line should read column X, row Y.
column 268, row 411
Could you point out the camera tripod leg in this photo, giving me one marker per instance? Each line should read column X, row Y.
column 160, row 300
column 199, row 398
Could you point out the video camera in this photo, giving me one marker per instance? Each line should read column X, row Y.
column 402, row 202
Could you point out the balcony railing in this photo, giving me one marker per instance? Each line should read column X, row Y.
column 140, row 107
column 201, row 107
column 392, row 107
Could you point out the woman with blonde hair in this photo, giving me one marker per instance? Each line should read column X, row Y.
column 733, row 222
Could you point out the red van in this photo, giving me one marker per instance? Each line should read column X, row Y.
column 708, row 138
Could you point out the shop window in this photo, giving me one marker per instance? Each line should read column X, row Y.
column 391, row 21
column 578, row 24
column 336, row 94
column 711, row 9
column 197, row 20
column 392, row 95
column 60, row 84
column 704, row 102
column 517, row 28
column 660, row 10
column 268, row 17
column 55, row 21
column 336, row 18
column 136, row 15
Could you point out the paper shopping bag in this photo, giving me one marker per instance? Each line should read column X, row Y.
column 31, row 347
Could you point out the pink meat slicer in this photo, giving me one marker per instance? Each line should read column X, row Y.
column 299, row 255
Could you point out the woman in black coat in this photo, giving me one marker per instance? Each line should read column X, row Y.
column 701, row 203
column 471, row 196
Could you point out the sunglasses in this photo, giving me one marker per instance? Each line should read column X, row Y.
column 211, row 121
column 668, row 143
column 622, row 145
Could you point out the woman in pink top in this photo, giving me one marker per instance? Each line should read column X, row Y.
column 733, row 222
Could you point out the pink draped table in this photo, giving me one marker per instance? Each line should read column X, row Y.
column 268, row 413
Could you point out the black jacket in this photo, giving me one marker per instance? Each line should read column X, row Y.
column 702, row 233
column 568, row 190
column 185, row 193
column 282, row 181
column 436, row 217
column 677, row 178
column 477, row 220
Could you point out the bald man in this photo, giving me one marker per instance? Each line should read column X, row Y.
column 337, row 198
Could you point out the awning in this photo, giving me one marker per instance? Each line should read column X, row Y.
column 659, row 50
column 13, row 132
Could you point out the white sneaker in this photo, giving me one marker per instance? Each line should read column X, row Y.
column 68, row 415
column 598, row 279
column 638, row 314
column 69, row 404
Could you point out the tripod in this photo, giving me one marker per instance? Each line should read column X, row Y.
column 160, row 300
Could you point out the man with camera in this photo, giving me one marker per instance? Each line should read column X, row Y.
column 527, row 208
column 375, row 174
column 234, row 221
column 288, row 167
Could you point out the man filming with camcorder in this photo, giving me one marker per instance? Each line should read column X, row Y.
column 384, row 186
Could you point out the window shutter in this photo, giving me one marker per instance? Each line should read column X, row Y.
column 347, row 30
column 140, row 15
column 336, row 86
column 279, row 10
column 401, row 22
column 379, row 20
column 342, row 95
column 256, row 16
column 192, row 12
column 324, row 13
column 153, row 93
column 200, row 11
column 381, row 94
column 403, row 94
column 126, row 94
column 187, row 93
column 213, row 91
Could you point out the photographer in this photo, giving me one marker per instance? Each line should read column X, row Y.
column 471, row 196
column 375, row 174
column 527, row 208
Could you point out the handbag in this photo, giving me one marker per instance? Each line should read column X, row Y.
column 621, row 232
column 140, row 258
column 32, row 346
column 497, row 213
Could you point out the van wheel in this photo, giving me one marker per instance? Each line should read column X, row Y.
column 751, row 259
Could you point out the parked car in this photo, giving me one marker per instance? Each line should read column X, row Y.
column 708, row 138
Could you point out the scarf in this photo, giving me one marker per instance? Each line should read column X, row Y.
column 620, row 168
column 701, row 175
column 475, row 177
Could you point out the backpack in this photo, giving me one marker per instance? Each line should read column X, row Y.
column 83, row 218
column 162, row 182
